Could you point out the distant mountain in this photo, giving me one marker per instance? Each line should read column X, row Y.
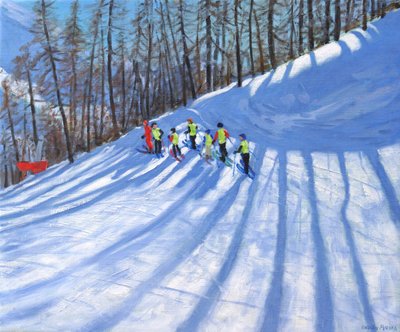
column 15, row 21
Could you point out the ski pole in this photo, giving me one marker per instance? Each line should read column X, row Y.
column 234, row 165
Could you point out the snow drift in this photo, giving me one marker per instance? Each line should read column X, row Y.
column 120, row 241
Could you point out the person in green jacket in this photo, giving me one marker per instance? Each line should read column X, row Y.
column 244, row 152
column 192, row 131
column 221, row 135
column 157, row 136
column 208, row 142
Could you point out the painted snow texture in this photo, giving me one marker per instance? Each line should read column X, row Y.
column 119, row 241
column 15, row 22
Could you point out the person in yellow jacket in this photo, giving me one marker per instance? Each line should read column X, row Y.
column 221, row 135
column 174, row 139
column 157, row 136
column 207, row 142
column 244, row 152
column 192, row 131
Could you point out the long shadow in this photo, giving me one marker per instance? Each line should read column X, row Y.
column 121, row 245
column 111, row 318
column 323, row 297
column 104, row 192
column 387, row 186
column 110, row 168
column 27, row 312
column 273, row 301
column 42, row 177
column 214, row 290
column 137, row 180
column 358, row 271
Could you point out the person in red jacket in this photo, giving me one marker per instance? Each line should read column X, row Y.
column 148, row 136
column 221, row 135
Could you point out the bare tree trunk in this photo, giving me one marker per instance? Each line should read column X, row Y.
column 6, row 183
column 109, row 71
column 291, row 41
column 327, row 21
column 364, row 14
column 310, row 24
column 216, row 50
column 173, row 37
column 259, row 43
column 186, row 51
column 301, row 24
column 148, row 69
column 123, row 89
column 198, row 51
column 32, row 106
column 373, row 9
column 237, row 37
column 6, row 106
column 184, row 98
column 271, row 41
column 349, row 14
column 224, row 17
column 168, row 60
column 208, row 46
column 56, row 84
column 383, row 8
column 338, row 20
column 85, row 96
column 103, row 86
column 251, row 38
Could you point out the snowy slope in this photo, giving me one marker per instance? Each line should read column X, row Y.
column 15, row 21
column 119, row 241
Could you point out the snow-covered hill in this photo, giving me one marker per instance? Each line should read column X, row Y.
column 120, row 241
column 15, row 21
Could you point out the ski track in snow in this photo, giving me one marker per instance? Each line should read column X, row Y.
column 125, row 242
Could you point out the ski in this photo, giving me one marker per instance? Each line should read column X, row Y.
column 142, row 151
column 228, row 161
column 171, row 153
column 188, row 144
column 250, row 169
column 240, row 168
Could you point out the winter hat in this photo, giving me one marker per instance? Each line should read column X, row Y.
column 208, row 131
column 173, row 130
column 220, row 125
column 242, row 136
column 153, row 124
column 145, row 122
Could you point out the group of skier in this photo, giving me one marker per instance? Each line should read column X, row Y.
column 153, row 133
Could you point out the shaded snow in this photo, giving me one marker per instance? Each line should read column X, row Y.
column 120, row 241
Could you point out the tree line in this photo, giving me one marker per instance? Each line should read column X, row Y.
column 86, row 84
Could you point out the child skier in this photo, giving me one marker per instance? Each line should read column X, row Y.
column 244, row 152
column 192, row 131
column 157, row 135
column 207, row 141
column 174, row 139
column 147, row 135
column 221, row 134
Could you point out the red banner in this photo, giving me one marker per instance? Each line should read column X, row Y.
column 32, row 166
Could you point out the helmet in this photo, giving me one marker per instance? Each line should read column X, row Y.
column 242, row 136
column 145, row 122
column 208, row 131
column 189, row 120
column 220, row 125
column 173, row 130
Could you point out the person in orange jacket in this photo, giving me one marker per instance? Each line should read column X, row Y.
column 221, row 135
column 148, row 136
